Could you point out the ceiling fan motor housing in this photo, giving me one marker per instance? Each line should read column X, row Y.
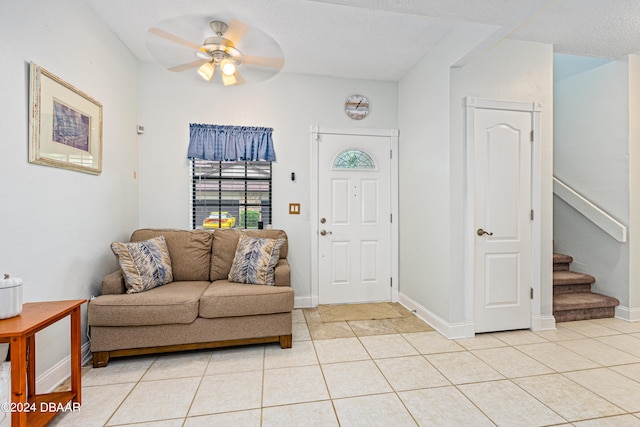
column 219, row 48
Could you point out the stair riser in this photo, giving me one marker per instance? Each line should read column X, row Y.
column 566, row 289
column 584, row 314
column 560, row 267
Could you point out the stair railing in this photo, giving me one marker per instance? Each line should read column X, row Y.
column 609, row 224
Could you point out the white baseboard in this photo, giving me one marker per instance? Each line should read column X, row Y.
column 395, row 296
column 543, row 323
column 465, row 329
column 449, row 330
column 628, row 314
column 303, row 302
column 61, row 371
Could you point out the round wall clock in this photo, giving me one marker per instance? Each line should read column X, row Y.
column 356, row 107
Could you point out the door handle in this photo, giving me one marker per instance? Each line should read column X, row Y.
column 325, row 232
column 481, row 232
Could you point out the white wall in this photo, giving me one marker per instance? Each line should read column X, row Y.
column 591, row 155
column 634, row 186
column 512, row 70
column 432, row 171
column 425, row 195
column 289, row 103
column 56, row 225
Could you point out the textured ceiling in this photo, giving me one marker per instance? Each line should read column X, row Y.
column 379, row 39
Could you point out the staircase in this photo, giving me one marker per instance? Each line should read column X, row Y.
column 572, row 296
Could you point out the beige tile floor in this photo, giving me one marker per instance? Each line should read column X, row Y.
column 390, row 372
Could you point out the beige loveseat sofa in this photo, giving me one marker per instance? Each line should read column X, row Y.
column 200, row 308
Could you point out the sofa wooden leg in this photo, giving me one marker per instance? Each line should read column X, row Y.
column 285, row 341
column 100, row 359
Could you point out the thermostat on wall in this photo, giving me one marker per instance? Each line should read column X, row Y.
column 140, row 129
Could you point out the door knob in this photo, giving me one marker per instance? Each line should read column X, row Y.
column 323, row 220
column 325, row 232
column 481, row 232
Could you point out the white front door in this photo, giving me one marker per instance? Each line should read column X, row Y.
column 354, row 218
column 502, row 232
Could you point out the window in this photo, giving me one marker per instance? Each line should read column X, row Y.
column 230, row 194
column 354, row 159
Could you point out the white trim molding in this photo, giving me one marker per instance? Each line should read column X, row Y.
column 543, row 323
column 539, row 321
column 61, row 371
column 448, row 330
column 628, row 314
column 393, row 134
column 304, row 302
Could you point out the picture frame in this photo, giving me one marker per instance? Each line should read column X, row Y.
column 65, row 124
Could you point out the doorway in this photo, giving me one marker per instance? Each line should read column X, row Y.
column 354, row 236
column 501, row 231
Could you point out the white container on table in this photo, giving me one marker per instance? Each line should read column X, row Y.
column 10, row 297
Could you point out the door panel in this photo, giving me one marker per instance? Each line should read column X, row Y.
column 369, row 261
column 341, row 202
column 502, row 152
column 354, row 251
column 501, row 272
column 340, row 252
column 370, row 210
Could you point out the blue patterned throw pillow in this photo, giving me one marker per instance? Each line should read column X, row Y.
column 255, row 261
column 145, row 265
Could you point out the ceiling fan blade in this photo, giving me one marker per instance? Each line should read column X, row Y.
column 188, row 65
column 236, row 31
column 264, row 61
column 172, row 37
column 239, row 79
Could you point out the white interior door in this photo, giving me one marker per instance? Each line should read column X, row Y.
column 354, row 219
column 502, row 171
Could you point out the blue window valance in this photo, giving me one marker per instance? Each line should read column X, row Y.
column 220, row 143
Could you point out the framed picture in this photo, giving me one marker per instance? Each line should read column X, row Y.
column 65, row 124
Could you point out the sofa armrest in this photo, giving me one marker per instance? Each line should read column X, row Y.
column 283, row 273
column 113, row 283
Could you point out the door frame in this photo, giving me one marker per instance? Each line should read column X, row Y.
column 535, row 108
column 316, row 133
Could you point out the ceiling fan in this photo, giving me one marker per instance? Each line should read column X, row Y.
column 221, row 52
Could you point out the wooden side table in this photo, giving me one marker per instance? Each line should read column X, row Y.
column 28, row 408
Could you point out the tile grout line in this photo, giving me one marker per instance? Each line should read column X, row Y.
column 471, row 351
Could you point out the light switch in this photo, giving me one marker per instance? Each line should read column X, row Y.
column 294, row 208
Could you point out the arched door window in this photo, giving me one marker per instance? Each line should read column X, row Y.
column 354, row 159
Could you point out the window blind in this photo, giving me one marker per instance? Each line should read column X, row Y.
column 221, row 190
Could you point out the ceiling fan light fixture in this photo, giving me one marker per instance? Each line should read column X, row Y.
column 206, row 70
column 228, row 67
column 229, row 80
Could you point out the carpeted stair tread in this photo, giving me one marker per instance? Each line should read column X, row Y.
column 562, row 259
column 581, row 300
column 572, row 278
column 561, row 262
column 572, row 296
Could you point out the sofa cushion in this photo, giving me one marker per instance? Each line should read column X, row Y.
column 175, row 302
column 225, row 243
column 190, row 251
column 227, row 299
column 255, row 261
column 144, row 264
